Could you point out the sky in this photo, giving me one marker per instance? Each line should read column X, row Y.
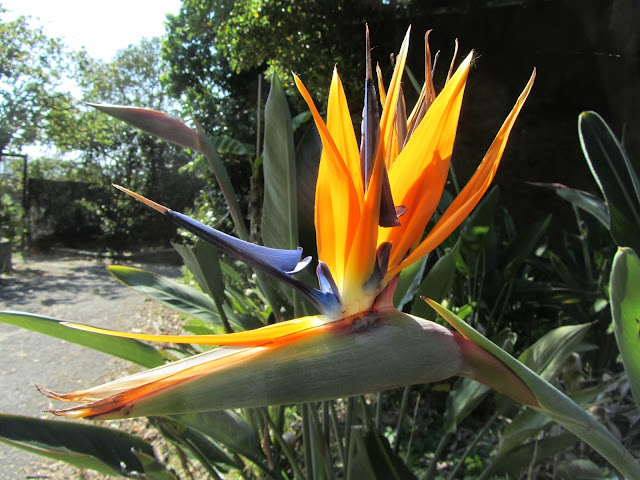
column 102, row 27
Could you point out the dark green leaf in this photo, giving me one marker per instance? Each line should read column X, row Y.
column 524, row 244
column 308, row 154
column 583, row 200
column 227, row 428
column 519, row 459
column 371, row 457
column 153, row 470
column 131, row 350
column 179, row 297
column 105, row 450
column 408, row 283
column 476, row 227
column 437, row 283
column 616, row 178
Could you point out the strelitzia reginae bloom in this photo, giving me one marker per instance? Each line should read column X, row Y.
column 373, row 203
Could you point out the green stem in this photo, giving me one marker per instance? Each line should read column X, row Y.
column 471, row 446
column 347, row 431
column 336, row 431
column 436, row 456
column 401, row 415
column 366, row 414
column 379, row 412
column 413, row 429
column 306, row 440
column 585, row 247
column 297, row 471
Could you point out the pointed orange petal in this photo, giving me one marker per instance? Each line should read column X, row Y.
column 387, row 119
column 419, row 173
column 249, row 338
column 340, row 126
column 473, row 191
column 362, row 258
column 338, row 203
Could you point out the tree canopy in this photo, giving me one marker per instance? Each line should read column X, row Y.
column 31, row 67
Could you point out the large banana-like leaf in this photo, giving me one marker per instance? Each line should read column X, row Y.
column 131, row 350
column 280, row 209
column 625, row 309
column 102, row 449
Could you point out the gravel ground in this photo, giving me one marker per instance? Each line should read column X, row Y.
column 69, row 288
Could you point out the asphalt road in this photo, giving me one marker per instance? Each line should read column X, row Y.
column 64, row 288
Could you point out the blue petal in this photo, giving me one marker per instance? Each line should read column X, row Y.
column 280, row 264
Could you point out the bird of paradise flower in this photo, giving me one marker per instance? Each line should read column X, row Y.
column 373, row 203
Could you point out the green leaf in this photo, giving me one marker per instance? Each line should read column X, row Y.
column 477, row 226
column 206, row 146
column 231, row 146
column 179, row 297
column 625, row 309
column 579, row 469
column 583, row 200
column 105, row 450
column 300, row 119
column 524, row 244
column 153, row 122
column 549, row 354
column 280, row 210
column 554, row 403
column 371, row 457
column 153, row 470
column 408, row 283
column 615, row 176
column 308, row 153
column 519, row 459
column 437, row 283
column 203, row 260
column 126, row 348
column 227, row 428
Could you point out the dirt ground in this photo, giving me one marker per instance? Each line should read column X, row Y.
column 70, row 288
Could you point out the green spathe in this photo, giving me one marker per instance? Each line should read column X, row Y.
column 368, row 353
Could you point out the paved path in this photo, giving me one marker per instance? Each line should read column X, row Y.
column 65, row 288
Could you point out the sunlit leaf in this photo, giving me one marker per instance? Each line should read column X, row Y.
column 131, row 350
column 625, row 309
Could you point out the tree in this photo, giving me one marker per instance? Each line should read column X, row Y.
column 220, row 46
column 122, row 154
column 31, row 67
